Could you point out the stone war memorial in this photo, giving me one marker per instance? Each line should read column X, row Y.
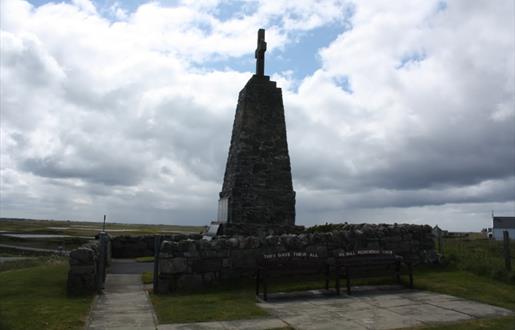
column 257, row 194
column 255, row 225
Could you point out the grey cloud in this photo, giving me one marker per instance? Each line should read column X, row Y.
column 109, row 174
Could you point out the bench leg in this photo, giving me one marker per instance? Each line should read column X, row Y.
column 337, row 281
column 327, row 277
column 347, row 277
column 265, row 287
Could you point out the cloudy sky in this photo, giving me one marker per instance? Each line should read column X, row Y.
column 396, row 111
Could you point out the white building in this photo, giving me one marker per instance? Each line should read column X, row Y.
column 501, row 224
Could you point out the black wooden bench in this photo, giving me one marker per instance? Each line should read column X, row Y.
column 366, row 264
column 289, row 264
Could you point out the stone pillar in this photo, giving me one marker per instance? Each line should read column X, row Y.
column 257, row 186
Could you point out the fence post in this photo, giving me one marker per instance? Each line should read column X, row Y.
column 440, row 243
column 157, row 247
column 507, row 254
column 102, row 258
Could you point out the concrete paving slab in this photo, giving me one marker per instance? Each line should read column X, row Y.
column 325, row 325
column 378, row 318
column 428, row 297
column 474, row 309
column 192, row 326
column 430, row 313
column 253, row 324
column 379, row 309
column 123, row 305
column 387, row 301
column 257, row 324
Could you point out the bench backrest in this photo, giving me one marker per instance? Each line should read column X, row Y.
column 291, row 260
column 374, row 258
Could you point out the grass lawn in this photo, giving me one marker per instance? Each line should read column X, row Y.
column 467, row 285
column 35, row 298
column 233, row 301
column 85, row 228
column 480, row 256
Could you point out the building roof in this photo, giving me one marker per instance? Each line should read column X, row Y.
column 504, row 222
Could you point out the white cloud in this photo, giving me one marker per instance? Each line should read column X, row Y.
column 410, row 112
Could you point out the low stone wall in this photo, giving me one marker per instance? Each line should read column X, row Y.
column 249, row 229
column 142, row 246
column 84, row 267
column 192, row 263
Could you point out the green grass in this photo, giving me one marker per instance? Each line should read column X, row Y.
column 467, row 285
column 147, row 277
column 18, row 264
column 35, row 298
column 228, row 301
column 480, row 256
column 85, row 228
column 145, row 259
column 53, row 243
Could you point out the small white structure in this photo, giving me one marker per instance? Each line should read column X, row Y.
column 501, row 224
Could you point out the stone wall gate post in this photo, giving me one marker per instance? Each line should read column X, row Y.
column 102, row 261
column 157, row 247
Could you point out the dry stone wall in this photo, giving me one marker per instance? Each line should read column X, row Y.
column 142, row 246
column 195, row 263
column 84, row 267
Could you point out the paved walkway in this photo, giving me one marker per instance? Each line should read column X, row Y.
column 376, row 308
column 257, row 324
column 123, row 305
column 366, row 309
column 130, row 266
column 126, row 305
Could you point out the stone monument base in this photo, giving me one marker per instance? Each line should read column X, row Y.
column 248, row 229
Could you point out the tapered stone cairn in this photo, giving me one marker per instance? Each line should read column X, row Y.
column 257, row 193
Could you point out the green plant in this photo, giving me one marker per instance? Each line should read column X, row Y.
column 35, row 298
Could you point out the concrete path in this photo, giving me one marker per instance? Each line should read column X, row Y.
column 375, row 308
column 257, row 324
column 123, row 305
column 130, row 266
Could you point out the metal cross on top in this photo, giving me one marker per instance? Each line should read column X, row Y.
column 260, row 53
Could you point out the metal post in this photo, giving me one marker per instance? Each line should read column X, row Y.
column 441, row 243
column 104, row 225
column 439, row 239
column 507, row 254
column 101, row 269
column 157, row 247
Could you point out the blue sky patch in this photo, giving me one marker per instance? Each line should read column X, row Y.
column 344, row 83
column 411, row 58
